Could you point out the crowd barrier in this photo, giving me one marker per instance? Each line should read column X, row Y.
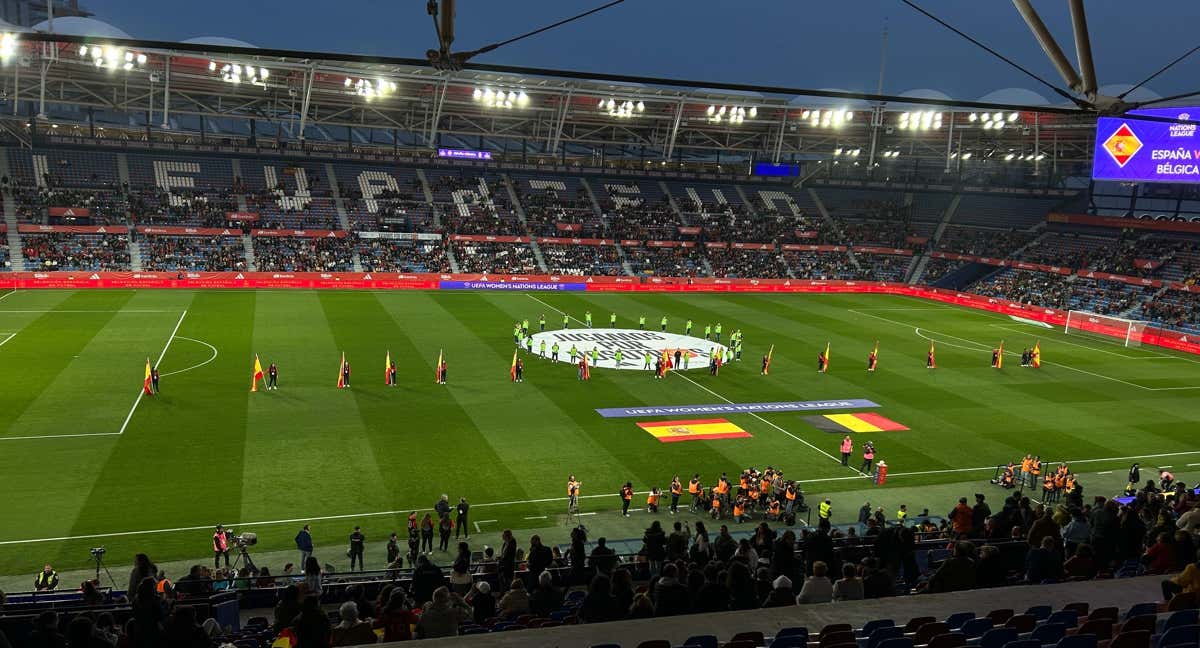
column 478, row 281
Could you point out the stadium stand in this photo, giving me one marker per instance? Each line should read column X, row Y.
column 733, row 262
column 1026, row 286
column 990, row 210
column 62, row 251
column 5, row 262
column 192, row 253
column 400, row 255
column 384, row 200
column 675, row 261
column 582, row 259
column 297, row 254
column 636, row 209
column 474, row 256
column 557, row 206
column 470, row 203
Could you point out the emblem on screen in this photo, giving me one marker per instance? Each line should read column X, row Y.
column 1122, row 145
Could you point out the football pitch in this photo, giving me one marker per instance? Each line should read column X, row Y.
column 85, row 461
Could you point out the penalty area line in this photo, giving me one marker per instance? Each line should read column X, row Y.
column 142, row 392
column 5, row 340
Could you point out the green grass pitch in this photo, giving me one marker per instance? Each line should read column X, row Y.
column 207, row 450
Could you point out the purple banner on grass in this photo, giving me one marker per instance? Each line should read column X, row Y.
column 509, row 285
column 734, row 408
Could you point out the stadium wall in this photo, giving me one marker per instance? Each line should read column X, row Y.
column 421, row 281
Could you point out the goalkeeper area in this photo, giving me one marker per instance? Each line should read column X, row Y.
column 87, row 462
column 1112, row 329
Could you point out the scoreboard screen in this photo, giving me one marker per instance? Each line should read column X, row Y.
column 1129, row 149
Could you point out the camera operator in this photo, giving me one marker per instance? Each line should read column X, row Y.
column 220, row 546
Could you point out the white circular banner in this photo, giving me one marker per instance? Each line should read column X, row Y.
column 634, row 344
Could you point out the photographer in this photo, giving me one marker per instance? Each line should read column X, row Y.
column 220, row 546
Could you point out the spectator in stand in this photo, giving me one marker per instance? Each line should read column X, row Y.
column 849, row 587
column 962, row 518
column 288, row 608
column 817, row 588
column 546, row 598
column 1082, row 565
column 539, row 557
column 397, row 618
column 482, row 602
column 603, row 559
column 516, row 601
column 990, row 570
column 45, row 632
column 670, row 596
column 312, row 626
column 957, row 573
column 426, row 578
column 149, row 612
column 352, row 631
column 182, row 629
column 1044, row 562
column 599, row 605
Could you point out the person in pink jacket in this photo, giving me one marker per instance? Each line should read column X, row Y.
column 847, row 450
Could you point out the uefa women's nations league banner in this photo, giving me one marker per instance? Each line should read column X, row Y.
column 1129, row 149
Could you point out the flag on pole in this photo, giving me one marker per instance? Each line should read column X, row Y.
column 146, row 382
column 1000, row 356
column 387, row 368
column 874, row 358
column 767, row 363
column 1037, row 355
column 930, row 362
column 258, row 374
column 341, row 376
column 587, row 369
column 826, row 356
column 437, row 369
column 666, row 361
column 512, row 371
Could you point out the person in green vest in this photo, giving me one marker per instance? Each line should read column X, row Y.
column 542, row 321
column 529, row 344
column 738, row 351
column 574, row 353
column 587, row 319
column 687, row 356
column 517, row 333
column 554, row 350
column 687, row 329
column 664, row 323
column 707, row 331
column 566, row 321
column 642, row 322
column 717, row 330
column 617, row 357
column 525, row 326
column 648, row 364
column 595, row 356
column 612, row 320
column 542, row 348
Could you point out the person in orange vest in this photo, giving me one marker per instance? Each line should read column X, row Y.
column 1035, row 469
column 773, row 509
column 753, row 496
column 1048, row 486
column 789, row 495
column 676, row 492
column 764, row 488
column 715, row 510
column 626, row 498
column 1008, row 479
column 739, row 510
column 652, row 500
column 1026, row 466
column 847, row 448
column 868, row 457
column 573, row 494
column 694, row 489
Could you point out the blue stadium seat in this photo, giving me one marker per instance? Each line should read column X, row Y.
column 795, row 631
column 702, row 641
column 1049, row 633
column 998, row 637
column 880, row 635
column 1069, row 618
column 871, row 626
column 956, row 620
column 1141, row 609
column 1024, row 643
column 1188, row 635
column 976, row 627
column 1181, row 618
column 897, row 642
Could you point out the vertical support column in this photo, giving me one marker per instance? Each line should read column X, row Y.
column 779, row 140
column 166, row 124
column 431, row 140
column 674, row 131
column 308, row 83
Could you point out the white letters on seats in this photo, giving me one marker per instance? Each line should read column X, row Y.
column 167, row 178
column 548, row 185
column 40, row 168
column 625, row 195
column 464, row 198
column 374, row 183
column 718, row 198
column 771, row 197
column 297, row 202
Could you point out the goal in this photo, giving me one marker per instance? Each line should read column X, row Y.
column 1113, row 329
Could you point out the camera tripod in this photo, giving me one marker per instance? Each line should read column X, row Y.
column 99, row 558
column 244, row 557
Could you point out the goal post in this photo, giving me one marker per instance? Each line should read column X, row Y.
column 1128, row 332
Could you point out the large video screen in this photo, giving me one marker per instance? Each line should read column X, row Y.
column 1135, row 150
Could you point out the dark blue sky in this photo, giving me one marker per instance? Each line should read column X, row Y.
column 797, row 43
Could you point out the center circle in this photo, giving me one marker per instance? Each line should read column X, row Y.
column 633, row 344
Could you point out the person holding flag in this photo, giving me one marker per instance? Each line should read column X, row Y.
column 344, row 373
column 392, row 371
column 1036, row 355
column 823, row 360
column 998, row 356
column 273, row 376
column 930, row 362
column 153, row 378
column 766, row 362
column 387, row 369
column 257, row 375
column 438, row 377
column 147, row 386
column 585, row 371
column 678, row 359
column 873, row 357
column 512, row 371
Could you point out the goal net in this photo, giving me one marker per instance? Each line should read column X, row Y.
column 1112, row 329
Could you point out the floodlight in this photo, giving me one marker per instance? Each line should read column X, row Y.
column 641, row 106
column 972, row 117
column 141, row 60
column 1012, row 117
column 753, row 112
column 710, row 110
column 966, row 156
column 522, row 99
column 805, row 114
column 998, row 117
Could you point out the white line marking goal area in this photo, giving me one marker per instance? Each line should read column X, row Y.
column 7, row 338
column 562, row 499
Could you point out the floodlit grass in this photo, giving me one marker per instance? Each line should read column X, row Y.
column 207, row 450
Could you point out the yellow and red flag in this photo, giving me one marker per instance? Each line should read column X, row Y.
column 1000, row 356
column 767, row 365
column 827, row 356
column 387, row 367
column 512, row 371
column 666, row 361
column 695, row 430
column 257, row 375
column 342, row 376
column 146, row 382
column 930, row 360
column 437, row 369
column 856, row 422
column 1037, row 355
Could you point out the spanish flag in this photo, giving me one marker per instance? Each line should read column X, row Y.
column 1037, row 355
column 930, row 361
column 437, row 369
column 1000, row 356
column 341, row 377
column 387, row 367
column 257, row 375
column 512, row 371
column 587, row 369
column 666, row 361
column 874, row 359
column 826, row 356
column 146, row 382
column 767, row 365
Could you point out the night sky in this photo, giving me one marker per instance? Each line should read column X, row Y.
column 795, row 43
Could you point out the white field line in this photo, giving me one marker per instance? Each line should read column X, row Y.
column 8, row 294
column 142, row 392
column 59, row 436
column 53, row 310
column 5, row 340
column 1076, row 344
column 561, row 499
column 681, row 375
column 983, row 346
column 195, row 366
